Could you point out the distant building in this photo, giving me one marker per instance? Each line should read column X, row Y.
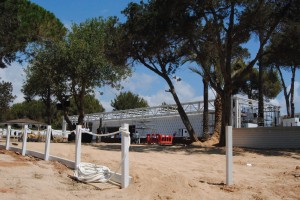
column 165, row 119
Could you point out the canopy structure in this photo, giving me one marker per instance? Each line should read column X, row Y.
column 23, row 121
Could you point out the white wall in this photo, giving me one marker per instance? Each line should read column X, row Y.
column 267, row 137
column 162, row 125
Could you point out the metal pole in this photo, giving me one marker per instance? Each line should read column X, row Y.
column 229, row 180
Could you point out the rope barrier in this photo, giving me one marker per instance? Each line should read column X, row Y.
column 91, row 173
column 102, row 135
column 60, row 131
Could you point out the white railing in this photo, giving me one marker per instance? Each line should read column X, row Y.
column 123, row 178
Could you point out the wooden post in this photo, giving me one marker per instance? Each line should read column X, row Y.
column 24, row 140
column 47, row 145
column 229, row 180
column 8, row 137
column 78, row 146
column 125, row 155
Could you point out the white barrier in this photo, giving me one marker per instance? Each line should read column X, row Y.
column 123, row 178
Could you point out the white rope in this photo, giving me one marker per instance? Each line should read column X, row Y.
column 60, row 131
column 107, row 134
column 35, row 131
column 92, row 173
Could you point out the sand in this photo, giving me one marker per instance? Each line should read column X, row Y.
column 159, row 172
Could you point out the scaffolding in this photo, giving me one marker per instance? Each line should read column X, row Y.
column 246, row 112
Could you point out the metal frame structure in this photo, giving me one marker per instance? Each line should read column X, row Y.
column 144, row 113
column 250, row 106
column 166, row 119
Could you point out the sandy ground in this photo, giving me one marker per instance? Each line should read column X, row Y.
column 159, row 172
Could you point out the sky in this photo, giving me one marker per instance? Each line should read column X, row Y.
column 143, row 82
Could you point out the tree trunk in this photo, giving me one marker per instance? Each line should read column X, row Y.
column 66, row 117
column 227, row 115
column 260, row 119
column 205, row 111
column 227, row 91
column 81, row 111
column 285, row 93
column 218, row 116
column 292, row 91
column 79, row 101
column 48, row 106
column 181, row 112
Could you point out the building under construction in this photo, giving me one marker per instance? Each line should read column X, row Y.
column 165, row 119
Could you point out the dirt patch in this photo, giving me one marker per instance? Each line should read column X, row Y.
column 13, row 164
column 6, row 190
column 60, row 168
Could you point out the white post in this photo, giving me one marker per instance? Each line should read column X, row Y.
column 24, row 140
column 78, row 146
column 47, row 145
column 125, row 155
column 229, row 180
column 8, row 137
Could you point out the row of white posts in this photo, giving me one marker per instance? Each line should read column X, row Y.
column 125, row 150
column 125, row 179
column 24, row 142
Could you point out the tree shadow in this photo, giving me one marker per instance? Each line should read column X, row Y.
column 170, row 149
column 292, row 153
column 194, row 149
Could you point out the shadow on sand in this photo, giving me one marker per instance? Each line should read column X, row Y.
column 148, row 148
column 191, row 149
